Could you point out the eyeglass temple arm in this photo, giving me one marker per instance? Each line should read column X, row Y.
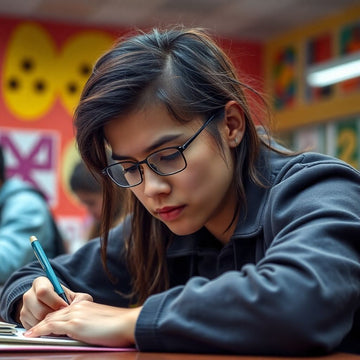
column 183, row 147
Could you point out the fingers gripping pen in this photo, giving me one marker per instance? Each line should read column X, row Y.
column 45, row 264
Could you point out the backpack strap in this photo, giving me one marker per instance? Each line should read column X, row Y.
column 58, row 239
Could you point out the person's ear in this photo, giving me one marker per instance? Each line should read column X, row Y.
column 234, row 123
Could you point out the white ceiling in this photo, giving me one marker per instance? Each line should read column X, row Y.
column 244, row 19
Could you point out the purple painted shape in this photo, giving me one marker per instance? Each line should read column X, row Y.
column 27, row 164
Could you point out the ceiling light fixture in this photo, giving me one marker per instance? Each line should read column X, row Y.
column 334, row 71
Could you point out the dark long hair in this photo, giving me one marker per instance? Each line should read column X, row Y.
column 185, row 70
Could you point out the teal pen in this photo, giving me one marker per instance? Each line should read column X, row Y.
column 45, row 264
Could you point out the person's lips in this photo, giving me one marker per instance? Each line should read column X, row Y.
column 169, row 213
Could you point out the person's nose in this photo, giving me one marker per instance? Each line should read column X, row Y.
column 154, row 184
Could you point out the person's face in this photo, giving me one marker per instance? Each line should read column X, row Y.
column 92, row 201
column 201, row 195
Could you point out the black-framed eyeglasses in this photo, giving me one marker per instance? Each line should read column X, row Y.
column 164, row 162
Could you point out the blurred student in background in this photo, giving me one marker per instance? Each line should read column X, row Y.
column 87, row 188
column 23, row 212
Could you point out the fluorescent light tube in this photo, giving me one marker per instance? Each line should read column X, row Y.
column 334, row 71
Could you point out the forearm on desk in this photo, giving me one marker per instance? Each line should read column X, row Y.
column 11, row 295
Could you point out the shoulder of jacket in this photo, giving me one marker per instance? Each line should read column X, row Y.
column 287, row 166
column 15, row 188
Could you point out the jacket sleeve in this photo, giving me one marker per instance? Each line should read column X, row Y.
column 82, row 271
column 22, row 215
column 299, row 299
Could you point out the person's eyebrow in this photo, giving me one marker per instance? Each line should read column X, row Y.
column 159, row 143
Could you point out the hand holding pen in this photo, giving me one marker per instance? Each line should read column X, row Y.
column 42, row 298
column 45, row 264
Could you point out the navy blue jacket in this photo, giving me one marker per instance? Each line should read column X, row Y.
column 287, row 283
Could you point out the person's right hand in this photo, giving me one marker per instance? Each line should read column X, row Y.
column 41, row 300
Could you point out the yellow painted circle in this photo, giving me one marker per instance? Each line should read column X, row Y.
column 76, row 61
column 29, row 67
column 71, row 157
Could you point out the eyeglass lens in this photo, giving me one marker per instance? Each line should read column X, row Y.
column 164, row 162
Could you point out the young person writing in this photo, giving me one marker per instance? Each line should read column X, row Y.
column 233, row 244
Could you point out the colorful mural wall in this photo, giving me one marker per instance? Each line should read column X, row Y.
column 43, row 69
column 325, row 119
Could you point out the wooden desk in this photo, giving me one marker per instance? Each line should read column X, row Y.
column 154, row 356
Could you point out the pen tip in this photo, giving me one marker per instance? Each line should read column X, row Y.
column 32, row 238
